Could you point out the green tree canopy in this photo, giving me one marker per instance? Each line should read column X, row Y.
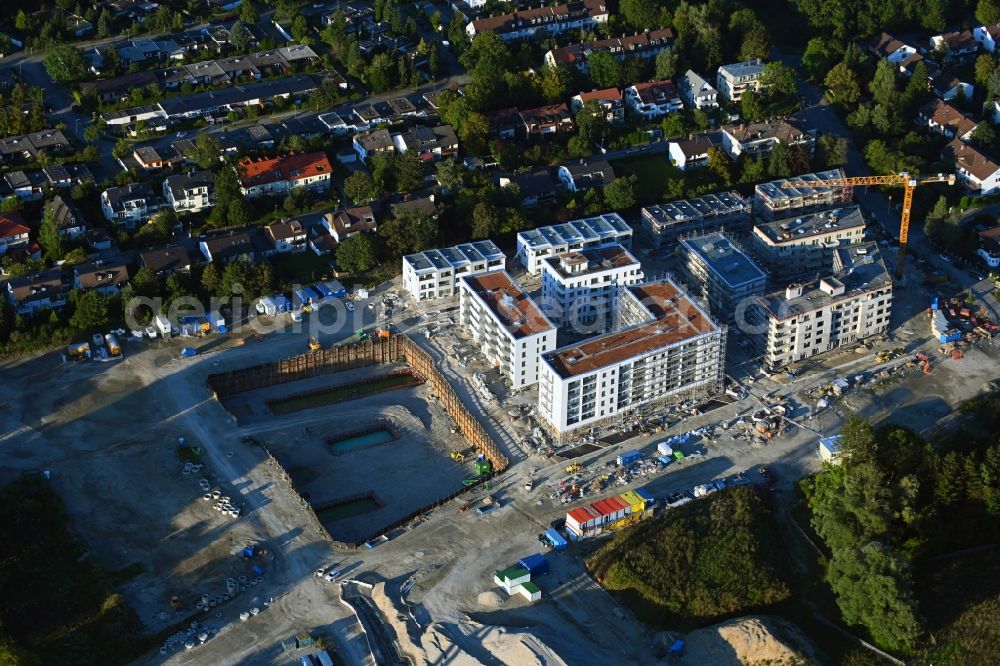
column 65, row 64
column 357, row 254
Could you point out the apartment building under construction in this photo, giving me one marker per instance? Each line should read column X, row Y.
column 665, row 348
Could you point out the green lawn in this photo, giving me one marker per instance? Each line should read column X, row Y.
column 656, row 171
column 301, row 268
column 340, row 394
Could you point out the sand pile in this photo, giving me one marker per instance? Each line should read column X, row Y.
column 747, row 641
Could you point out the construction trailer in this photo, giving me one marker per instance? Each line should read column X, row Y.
column 555, row 539
column 217, row 322
column 162, row 325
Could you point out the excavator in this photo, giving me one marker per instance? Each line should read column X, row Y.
column 904, row 179
column 314, row 343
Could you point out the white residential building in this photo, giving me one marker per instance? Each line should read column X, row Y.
column 664, row 348
column 734, row 80
column 800, row 246
column 190, row 192
column 719, row 272
column 579, row 289
column 540, row 22
column 696, row 92
column 988, row 36
column 509, row 328
column 536, row 244
column 974, row 168
column 131, row 205
column 851, row 304
column 434, row 274
column 654, row 99
column 689, row 153
column 759, row 138
column 281, row 175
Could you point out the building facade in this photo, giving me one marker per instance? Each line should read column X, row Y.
column 778, row 200
column 665, row 223
column 722, row 274
column 666, row 348
column 434, row 274
column 582, row 234
column 580, row 289
column 798, row 246
column 509, row 328
column 736, row 79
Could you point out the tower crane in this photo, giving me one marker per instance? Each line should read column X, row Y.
column 904, row 179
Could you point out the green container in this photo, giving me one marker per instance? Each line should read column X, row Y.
column 483, row 467
column 678, row 455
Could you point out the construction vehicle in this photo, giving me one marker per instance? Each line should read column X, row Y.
column 382, row 333
column 458, row 456
column 903, row 179
column 314, row 343
column 574, row 468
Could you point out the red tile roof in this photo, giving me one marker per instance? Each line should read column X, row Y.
column 285, row 167
column 11, row 225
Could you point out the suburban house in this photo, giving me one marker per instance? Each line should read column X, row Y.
column 542, row 21
column 942, row 118
column 654, row 99
column 505, row 123
column 431, row 143
column 26, row 185
column 690, row 153
column 130, row 205
column 30, row 293
column 545, row 120
column 69, row 219
column 696, row 92
column 974, row 169
column 190, row 192
column 286, row 236
column 989, row 246
column 62, row 176
column 105, row 277
column 29, row 147
column 345, row 223
column 947, row 86
column 167, row 259
column 647, row 45
column 988, row 36
column 13, row 232
column 281, row 175
column 117, row 89
column 374, row 141
column 586, row 174
column 153, row 160
column 956, row 45
column 760, row 138
column 887, row 47
column 536, row 188
column 609, row 100
column 734, row 80
column 227, row 247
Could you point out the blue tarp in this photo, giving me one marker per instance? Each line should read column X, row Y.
column 188, row 352
column 628, row 458
column 535, row 564
column 324, row 291
column 644, row 494
column 556, row 539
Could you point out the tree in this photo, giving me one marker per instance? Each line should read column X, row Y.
column 74, row 257
column 756, row 44
column 356, row 254
column 300, row 30
column 622, row 193
column 817, row 58
column 410, row 231
column 91, row 133
column 718, row 164
column 988, row 12
column 751, row 106
column 239, row 36
column 474, row 131
column 831, row 151
column 640, row 14
column 21, row 21
column 984, row 134
column 557, row 82
column 485, row 220
column 249, row 13
column 49, row 237
column 778, row 79
column 985, row 66
column 450, row 174
column 238, row 213
column 434, row 59
column 604, row 70
column 145, row 283
column 359, row 187
column 843, row 83
column 91, row 312
column 883, row 86
column 752, row 170
column 666, row 64
column 780, row 163
column 409, row 171
column 65, row 64
column 210, row 279
column 105, row 28
column 673, row 125
column 207, row 150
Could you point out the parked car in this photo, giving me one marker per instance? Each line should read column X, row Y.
column 333, row 574
column 349, row 306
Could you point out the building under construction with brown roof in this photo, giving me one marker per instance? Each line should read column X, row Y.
column 665, row 348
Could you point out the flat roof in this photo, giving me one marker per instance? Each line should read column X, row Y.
column 778, row 190
column 676, row 318
column 725, row 259
column 510, row 306
column 813, row 224
column 685, row 210
column 596, row 260
column 859, row 268
column 454, row 257
column 598, row 228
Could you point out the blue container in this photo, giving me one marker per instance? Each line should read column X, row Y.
column 644, row 494
column 556, row 539
column 628, row 458
column 535, row 564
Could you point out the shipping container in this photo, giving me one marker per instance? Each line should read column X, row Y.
column 556, row 539
column 338, row 289
column 664, row 449
column 325, row 293
column 267, row 306
column 635, row 502
column 535, row 564
column 665, row 460
column 301, row 298
column 628, row 458
column 162, row 325
column 282, row 304
column 645, row 495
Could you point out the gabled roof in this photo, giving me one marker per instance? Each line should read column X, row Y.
column 655, row 92
column 779, row 129
column 970, row 160
column 12, row 224
column 296, row 166
column 577, row 53
column 101, row 274
column 284, row 230
column 167, row 258
column 948, row 117
column 605, row 95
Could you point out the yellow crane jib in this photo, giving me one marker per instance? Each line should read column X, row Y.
column 904, row 180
